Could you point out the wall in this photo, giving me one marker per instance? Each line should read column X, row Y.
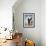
column 6, row 13
column 32, row 6
column 43, row 22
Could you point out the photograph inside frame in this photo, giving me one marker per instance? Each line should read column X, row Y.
column 29, row 20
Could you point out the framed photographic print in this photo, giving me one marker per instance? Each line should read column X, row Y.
column 29, row 20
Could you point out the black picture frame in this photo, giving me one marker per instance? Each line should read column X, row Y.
column 28, row 20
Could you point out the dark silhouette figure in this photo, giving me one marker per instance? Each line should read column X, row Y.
column 29, row 19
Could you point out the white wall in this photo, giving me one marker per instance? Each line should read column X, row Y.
column 6, row 13
column 43, row 22
column 32, row 6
